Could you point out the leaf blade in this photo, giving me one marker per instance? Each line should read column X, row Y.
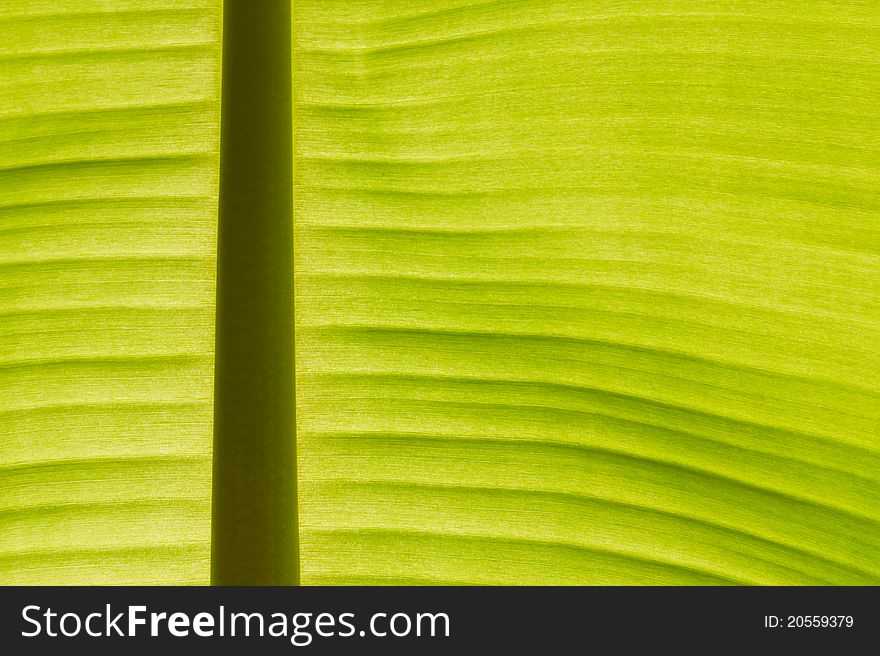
column 108, row 167
column 585, row 294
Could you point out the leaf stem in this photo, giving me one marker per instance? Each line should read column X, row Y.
column 254, row 523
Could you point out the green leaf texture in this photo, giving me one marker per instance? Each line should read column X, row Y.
column 587, row 292
column 109, row 123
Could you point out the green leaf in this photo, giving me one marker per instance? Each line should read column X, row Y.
column 109, row 124
column 587, row 292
